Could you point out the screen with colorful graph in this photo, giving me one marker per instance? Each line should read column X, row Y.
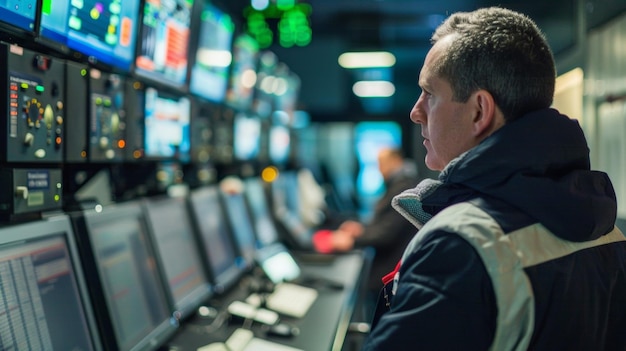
column 104, row 30
column 164, row 41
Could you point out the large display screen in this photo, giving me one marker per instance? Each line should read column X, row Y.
column 209, row 74
column 19, row 13
column 44, row 304
column 243, row 73
column 164, row 41
column 167, row 134
column 102, row 29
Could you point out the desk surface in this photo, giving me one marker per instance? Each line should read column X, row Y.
column 323, row 328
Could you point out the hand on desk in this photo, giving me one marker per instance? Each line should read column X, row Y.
column 342, row 241
column 352, row 228
column 339, row 240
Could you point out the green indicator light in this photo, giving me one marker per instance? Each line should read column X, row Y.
column 24, row 86
column 57, row 198
column 83, row 72
column 46, row 7
column 39, row 88
column 285, row 4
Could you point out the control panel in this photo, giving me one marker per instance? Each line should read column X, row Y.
column 223, row 140
column 96, row 115
column 76, row 84
column 134, row 102
column 33, row 101
column 107, row 131
column 202, row 134
column 30, row 190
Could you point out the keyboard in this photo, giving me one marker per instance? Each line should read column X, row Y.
column 291, row 299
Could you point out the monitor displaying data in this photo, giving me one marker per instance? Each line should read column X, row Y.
column 44, row 300
column 217, row 242
column 164, row 42
column 209, row 74
column 242, row 227
column 243, row 73
column 247, row 137
column 264, row 225
column 134, row 306
column 176, row 244
column 279, row 144
column 19, row 13
column 166, row 123
column 104, row 30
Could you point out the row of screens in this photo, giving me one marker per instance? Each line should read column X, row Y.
column 117, row 280
column 155, row 43
column 167, row 131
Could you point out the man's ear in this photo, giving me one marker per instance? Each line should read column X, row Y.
column 487, row 116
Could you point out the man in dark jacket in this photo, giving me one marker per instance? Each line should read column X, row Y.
column 387, row 232
column 517, row 247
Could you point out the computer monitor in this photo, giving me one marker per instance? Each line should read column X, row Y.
column 287, row 96
column 246, row 137
column 104, row 30
column 242, row 228
column 131, row 301
column 178, row 252
column 279, row 144
column 217, row 243
column 243, row 73
column 164, row 43
column 45, row 304
column 166, row 125
column 256, row 196
column 19, row 14
column 213, row 57
column 285, row 204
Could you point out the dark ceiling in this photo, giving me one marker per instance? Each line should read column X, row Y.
column 404, row 27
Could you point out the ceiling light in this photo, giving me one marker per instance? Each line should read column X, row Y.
column 367, row 59
column 373, row 88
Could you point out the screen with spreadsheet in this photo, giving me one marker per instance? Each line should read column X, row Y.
column 44, row 302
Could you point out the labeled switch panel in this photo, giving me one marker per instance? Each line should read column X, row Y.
column 32, row 85
column 29, row 190
column 107, row 131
